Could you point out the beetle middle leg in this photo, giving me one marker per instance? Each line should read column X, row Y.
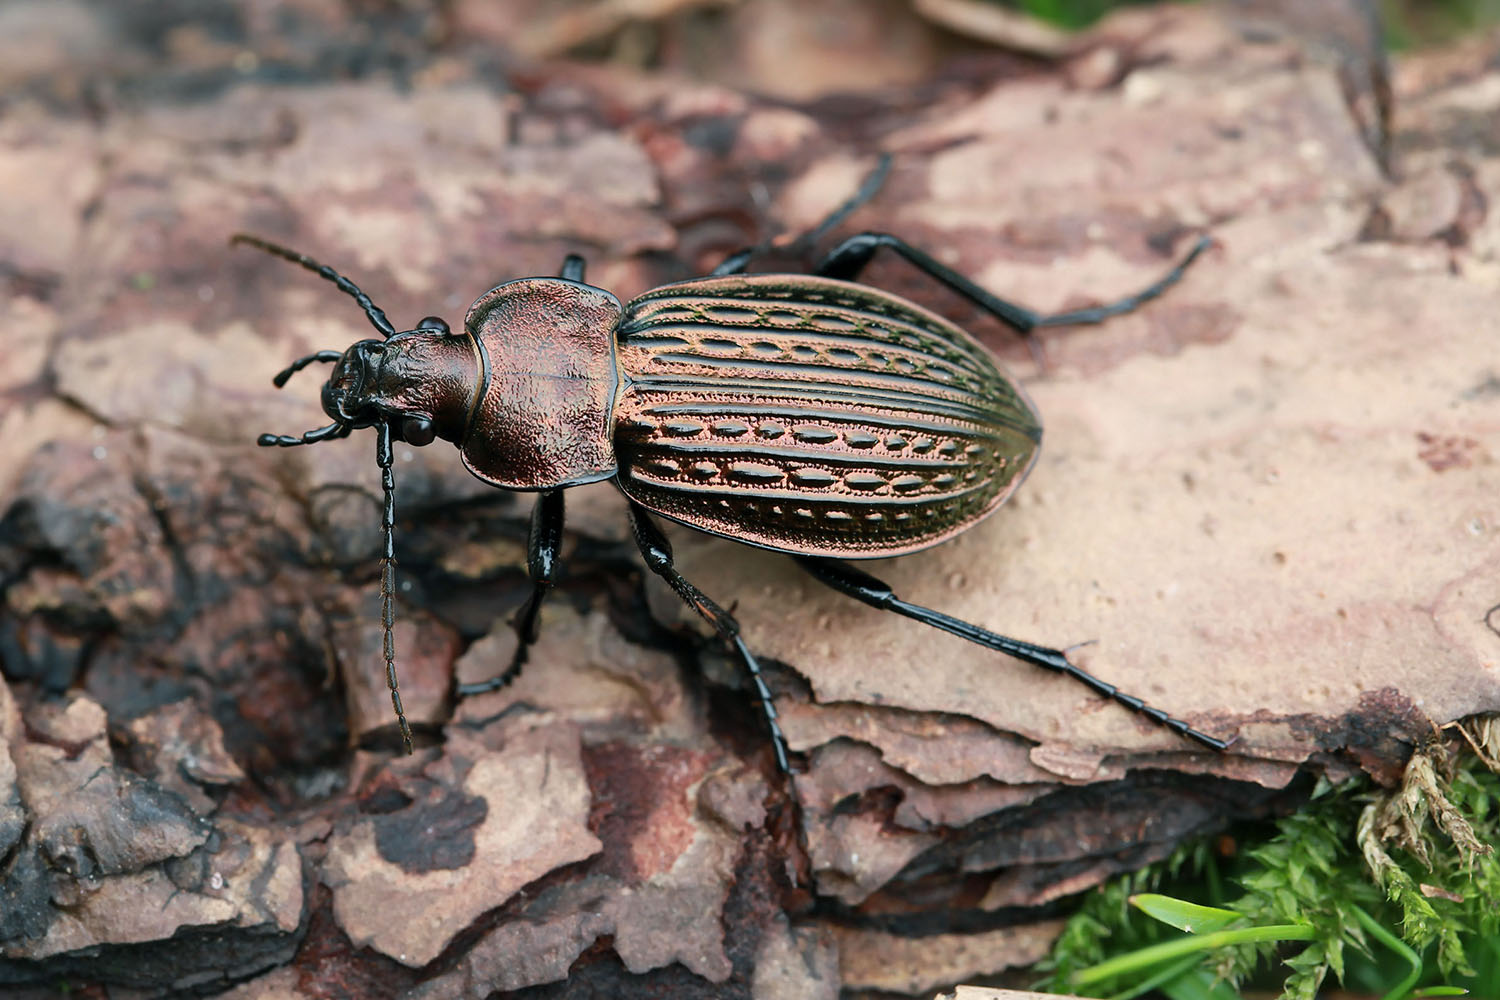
column 849, row 258
column 543, row 549
column 657, row 552
column 863, row 587
column 736, row 262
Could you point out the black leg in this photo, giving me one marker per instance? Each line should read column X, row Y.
column 333, row 430
column 657, row 552
column 849, row 258
column 736, row 262
column 326, row 357
column 572, row 268
column 863, row 587
column 543, row 547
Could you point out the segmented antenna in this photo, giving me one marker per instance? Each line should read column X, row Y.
column 388, row 573
column 374, row 312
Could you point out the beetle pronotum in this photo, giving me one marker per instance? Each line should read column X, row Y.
column 803, row 413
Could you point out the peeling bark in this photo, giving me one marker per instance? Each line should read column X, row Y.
column 1268, row 497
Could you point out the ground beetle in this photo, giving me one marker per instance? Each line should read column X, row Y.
column 802, row 413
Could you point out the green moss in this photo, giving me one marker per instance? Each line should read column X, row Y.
column 1409, row 23
column 1389, row 892
column 1072, row 13
column 1412, row 23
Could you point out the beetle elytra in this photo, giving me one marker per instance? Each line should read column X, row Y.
column 803, row 413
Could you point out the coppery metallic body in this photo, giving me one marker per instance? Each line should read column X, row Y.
column 805, row 414
column 802, row 414
column 814, row 416
column 541, row 415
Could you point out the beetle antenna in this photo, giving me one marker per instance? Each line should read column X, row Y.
column 374, row 312
column 388, row 573
column 301, row 363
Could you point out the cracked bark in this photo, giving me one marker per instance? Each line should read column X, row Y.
column 1269, row 496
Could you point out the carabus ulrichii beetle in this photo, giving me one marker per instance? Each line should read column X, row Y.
column 802, row 413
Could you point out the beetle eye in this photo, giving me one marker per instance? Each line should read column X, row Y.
column 433, row 323
column 417, row 431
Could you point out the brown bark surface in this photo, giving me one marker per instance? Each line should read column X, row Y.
column 1268, row 496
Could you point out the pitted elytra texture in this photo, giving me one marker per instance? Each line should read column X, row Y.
column 838, row 379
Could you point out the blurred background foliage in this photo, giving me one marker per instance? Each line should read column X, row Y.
column 1408, row 23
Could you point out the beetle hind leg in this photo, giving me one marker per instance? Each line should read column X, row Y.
column 657, row 552
column 543, row 548
column 849, row 258
column 863, row 587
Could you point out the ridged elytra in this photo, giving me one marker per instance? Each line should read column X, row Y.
column 803, row 413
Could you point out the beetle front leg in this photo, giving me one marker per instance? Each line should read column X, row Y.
column 863, row 587
column 543, row 548
column 657, row 552
column 849, row 258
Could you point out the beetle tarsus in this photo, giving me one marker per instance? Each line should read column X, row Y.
column 849, row 258
column 543, row 559
column 1098, row 314
column 865, row 588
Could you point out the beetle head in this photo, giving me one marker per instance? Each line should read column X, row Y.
column 415, row 383
column 409, row 386
column 381, row 382
column 346, row 396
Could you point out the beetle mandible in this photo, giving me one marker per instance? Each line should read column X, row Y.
column 803, row 413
